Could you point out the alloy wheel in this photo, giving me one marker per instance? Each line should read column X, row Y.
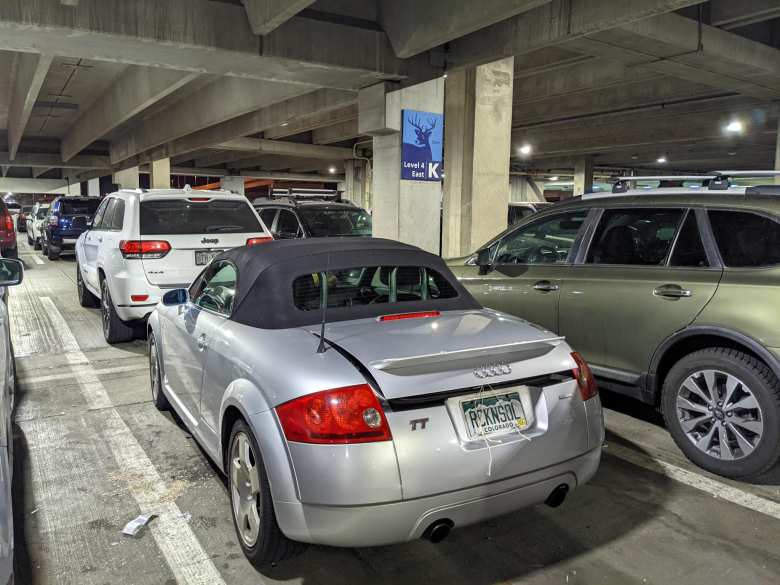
column 154, row 370
column 245, row 489
column 719, row 414
column 105, row 302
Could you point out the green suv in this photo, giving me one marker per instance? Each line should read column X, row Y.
column 671, row 296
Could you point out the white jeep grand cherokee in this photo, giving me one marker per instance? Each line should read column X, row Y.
column 143, row 242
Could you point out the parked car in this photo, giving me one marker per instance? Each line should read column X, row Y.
column 412, row 411
column 519, row 210
column 670, row 296
column 35, row 223
column 8, row 247
column 291, row 218
column 11, row 274
column 142, row 243
column 67, row 219
column 21, row 219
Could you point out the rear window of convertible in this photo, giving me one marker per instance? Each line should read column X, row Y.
column 180, row 216
column 367, row 285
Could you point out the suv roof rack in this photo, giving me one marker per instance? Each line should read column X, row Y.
column 713, row 181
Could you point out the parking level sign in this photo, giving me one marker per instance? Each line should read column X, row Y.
column 422, row 138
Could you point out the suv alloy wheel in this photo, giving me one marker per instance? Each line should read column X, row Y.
column 722, row 407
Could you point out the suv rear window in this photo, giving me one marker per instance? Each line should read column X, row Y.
column 328, row 222
column 366, row 285
column 180, row 216
column 83, row 207
column 746, row 240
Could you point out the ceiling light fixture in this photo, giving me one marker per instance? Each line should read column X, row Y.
column 661, row 160
column 555, row 178
column 735, row 127
column 332, row 170
column 525, row 149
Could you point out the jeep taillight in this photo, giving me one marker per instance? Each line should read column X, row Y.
column 54, row 220
column 146, row 249
column 256, row 241
column 351, row 414
column 584, row 377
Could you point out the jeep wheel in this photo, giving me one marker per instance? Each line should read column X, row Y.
column 52, row 252
column 114, row 329
column 722, row 407
column 36, row 244
column 86, row 298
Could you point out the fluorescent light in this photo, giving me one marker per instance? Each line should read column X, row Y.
column 555, row 178
column 734, row 127
column 444, row 76
column 525, row 149
column 284, row 124
column 332, row 170
column 661, row 160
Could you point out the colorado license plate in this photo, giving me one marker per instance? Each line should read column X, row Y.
column 493, row 414
column 203, row 257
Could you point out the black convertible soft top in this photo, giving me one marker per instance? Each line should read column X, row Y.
column 264, row 291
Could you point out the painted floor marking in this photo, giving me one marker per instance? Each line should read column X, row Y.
column 713, row 487
column 183, row 552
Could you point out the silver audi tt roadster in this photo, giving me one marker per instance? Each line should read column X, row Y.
column 355, row 394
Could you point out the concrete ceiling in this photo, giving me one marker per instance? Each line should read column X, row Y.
column 117, row 83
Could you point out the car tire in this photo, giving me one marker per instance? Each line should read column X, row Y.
column 114, row 329
column 53, row 253
column 44, row 247
column 37, row 244
column 86, row 298
column 159, row 398
column 744, row 412
column 11, row 253
column 29, row 239
column 269, row 545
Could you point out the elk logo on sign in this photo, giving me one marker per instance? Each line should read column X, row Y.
column 421, row 155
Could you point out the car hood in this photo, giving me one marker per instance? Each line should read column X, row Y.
column 412, row 357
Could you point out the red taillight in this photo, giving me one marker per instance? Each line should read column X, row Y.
column 199, row 199
column 343, row 415
column 256, row 241
column 139, row 298
column 9, row 222
column 585, row 380
column 149, row 249
column 54, row 220
column 417, row 315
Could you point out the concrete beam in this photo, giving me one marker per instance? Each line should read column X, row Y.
column 337, row 133
column 307, row 105
column 266, row 15
column 281, row 148
column 206, row 37
column 4, row 170
column 29, row 72
column 445, row 20
column 39, row 171
column 54, row 186
column 53, row 161
column 313, row 122
column 728, row 14
column 551, row 24
column 292, row 176
column 219, row 157
column 135, row 90
column 218, row 102
column 669, row 44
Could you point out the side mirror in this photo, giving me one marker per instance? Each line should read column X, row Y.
column 11, row 272
column 483, row 261
column 177, row 296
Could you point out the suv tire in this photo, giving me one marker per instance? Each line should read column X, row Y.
column 44, row 247
column 11, row 253
column 114, row 329
column 753, row 386
column 53, row 253
column 270, row 544
column 36, row 244
column 155, row 376
column 86, row 298
column 29, row 239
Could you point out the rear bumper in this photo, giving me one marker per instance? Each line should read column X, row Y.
column 382, row 524
column 126, row 283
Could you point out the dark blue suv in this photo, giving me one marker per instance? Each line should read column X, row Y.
column 68, row 218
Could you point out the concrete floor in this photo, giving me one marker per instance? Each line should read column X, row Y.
column 647, row 517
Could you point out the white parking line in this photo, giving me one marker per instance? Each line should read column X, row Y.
column 37, row 259
column 185, row 556
column 75, row 369
column 713, row 487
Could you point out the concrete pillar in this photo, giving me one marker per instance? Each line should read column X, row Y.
column 478, row 126
column 235, row 184
column 408, row 211
column 583, row 176
column 127, row 178
column 777, row 152
column 522, row 188
column 160, row 174
column 355, row 181
column 93, row 187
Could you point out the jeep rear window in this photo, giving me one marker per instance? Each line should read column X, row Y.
column 79, row 207
column 746, row 240
column 366, row 285
column 179, row 216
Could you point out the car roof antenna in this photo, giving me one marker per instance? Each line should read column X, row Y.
column 324, row 288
